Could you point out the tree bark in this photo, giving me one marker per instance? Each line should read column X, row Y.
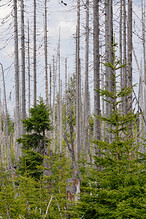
column 86, row 103
column 78, row 85
column 16, row 65
column 28, row 71
column 130, row 53
column 50, row 85
column 97, row 128
column 23, row 64
column 144, row 56
column 54, row 84
column 46, row 54
column 108, row 54
column 34, row 54
column 124, row 55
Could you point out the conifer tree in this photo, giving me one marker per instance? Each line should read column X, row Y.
column 117, row 190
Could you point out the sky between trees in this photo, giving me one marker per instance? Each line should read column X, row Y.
column 64, row 18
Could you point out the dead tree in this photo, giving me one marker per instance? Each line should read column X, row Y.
column 34, row 54
column 16, row 65
column 54, row 121
column 97, row 128
column 144, row 55
column 130, row 53
column 86, row 101
column 78, row 85
column 124, row 54
column 28, row 56
column 108, row 54
column 46, row 54
column 23, row 64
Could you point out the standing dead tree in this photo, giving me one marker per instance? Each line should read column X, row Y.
column 16, row 65
column 86, row 101
column 97, row 128
column 34, row 54
column 78, row 85
column 23, row 64
column 46, row 54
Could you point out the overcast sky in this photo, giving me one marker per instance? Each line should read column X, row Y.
column 59, row 16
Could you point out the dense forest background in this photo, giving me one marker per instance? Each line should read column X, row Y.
column 72, row 109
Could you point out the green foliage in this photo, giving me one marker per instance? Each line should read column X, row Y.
column 36, row 125
column 115, row 186
column 39, row 119
column 32, row 163
column 10, row 123
column 30, row 197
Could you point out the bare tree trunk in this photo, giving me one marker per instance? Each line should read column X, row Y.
column 121, row 50
column 1, row 148
column 103, row 102
column 130, row 53
column 7, row 139
column 50, row 85
column 46, row 54
column 125, row 54
column 66, row 104
column 97, row 128
column 144, row 56
column 28, row 71
column 86, row 102
column 78, row 85
column 34, row 55
column 54, row 84
column 60, row 116
column 16, row 61
column 109, row 56
column 23, row 64
column 59, row 100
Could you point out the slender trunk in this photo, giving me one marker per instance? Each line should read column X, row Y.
column 54, row 84
column 50, row 85
column 28, row 71
column 59, row 100
column 130, row 53
column 1, row 150
column 121, row 50
column 144, row 55
column 86, row 102
column 6, row 124
column 97, row 128
column 46, row 54
column 109, row 54
column 23, row 64
column 34, row 54
column 125, row 54
column 16, row 61
column 78, row 85
column 60, row 116
column 66, row 104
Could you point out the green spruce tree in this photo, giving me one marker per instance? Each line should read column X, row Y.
column 116, row 189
